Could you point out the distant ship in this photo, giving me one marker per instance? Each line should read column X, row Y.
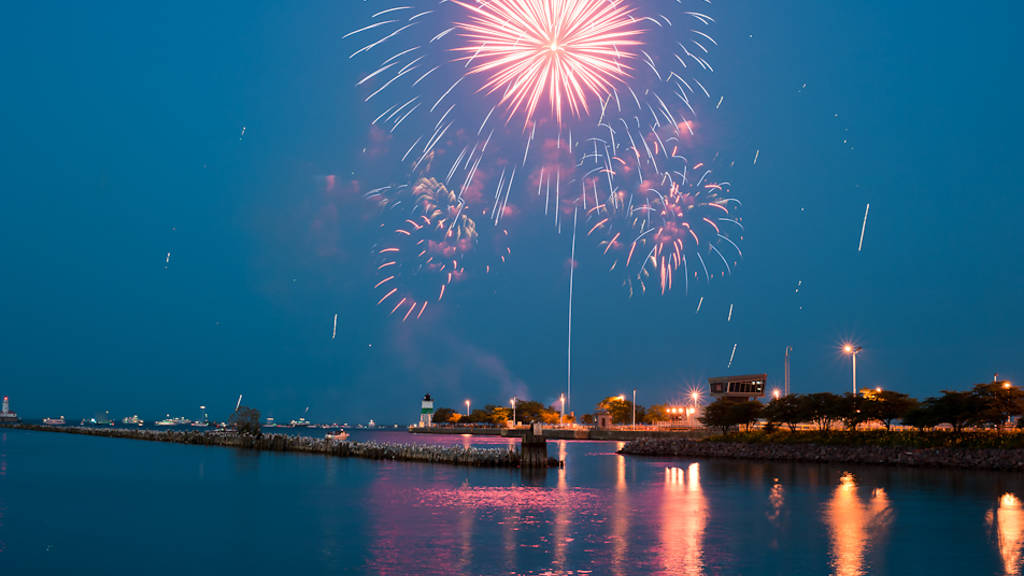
column 97, row 421
column 54, row 421
column 339, row 437
column 198, row 424
column 5, row 412
column 372, row 424
column 179, row 421
column 300, row 423
column 132, row 420
column 270, row 423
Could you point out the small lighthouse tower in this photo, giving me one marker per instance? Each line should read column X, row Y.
column 427, row 412
column 5, row 412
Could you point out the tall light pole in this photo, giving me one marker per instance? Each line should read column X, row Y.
column 513, row 401
column 786, row 389
column 634, row 407
column 852, row 351
column 467, row 407
column 561, row 414
column 694, row 396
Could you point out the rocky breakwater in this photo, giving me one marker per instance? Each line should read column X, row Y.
column 1011, row 459
column 429, row 453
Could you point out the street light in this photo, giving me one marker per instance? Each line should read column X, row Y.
column 467, row 407
column 634, row 407
column 694, row 396
column 513, row 402
column 776, row 393
column 561, row 413
column 852, row 351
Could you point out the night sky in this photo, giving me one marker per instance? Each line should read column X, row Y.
column 123, row 140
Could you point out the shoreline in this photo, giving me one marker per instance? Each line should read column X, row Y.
column 1001, row 459
column 592, row 434
column 423, row 453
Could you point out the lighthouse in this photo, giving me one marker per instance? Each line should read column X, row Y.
column 427, row 412
column 5, row 412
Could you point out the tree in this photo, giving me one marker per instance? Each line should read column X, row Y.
column 588, row 419
column 745, row 413
column 725, row 413
column 443, row 416
column 958, row 409
column 655, row 414
column 999, row 402
column 477, row 416
column 788, row 410
column 824, row 408
column 889, row 405
column 619, row 409
column 246, row 421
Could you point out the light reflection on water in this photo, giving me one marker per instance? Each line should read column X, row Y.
column 1008, row 522
column 855, row 525
column 601, row 514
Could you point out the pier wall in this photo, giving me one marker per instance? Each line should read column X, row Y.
column 437, row 454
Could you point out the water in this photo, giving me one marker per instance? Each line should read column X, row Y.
column 98, row 506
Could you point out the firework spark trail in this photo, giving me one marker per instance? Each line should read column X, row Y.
column 572, row 271
column 733, row 355
column 699, row 304
column 730, row 313
column 334, row 330
column 863, row 228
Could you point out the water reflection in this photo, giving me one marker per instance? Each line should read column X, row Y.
column 684, row 516
column 1008, row 522
column 853, row 524
column 620, row 515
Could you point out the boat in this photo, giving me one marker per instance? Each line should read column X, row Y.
column 133, row 420
column 168, row 421
column 300, row 423
column 341, row 436
column 270, row 423
column 54, row 421
column 372, row 424
column 198, row 424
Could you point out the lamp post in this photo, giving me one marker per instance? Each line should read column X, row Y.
column 852, row 351
column 776, row 393
column 512, row 401
column 561, row 413
column 634, row 407
column 467, row 407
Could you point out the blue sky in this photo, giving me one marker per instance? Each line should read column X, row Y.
column 123, row 141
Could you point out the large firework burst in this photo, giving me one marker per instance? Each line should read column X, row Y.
column 573, row 50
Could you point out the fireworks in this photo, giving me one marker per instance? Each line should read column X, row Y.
column 605, row 92
column 575, row 50
column 660, row 219
column 427, row 252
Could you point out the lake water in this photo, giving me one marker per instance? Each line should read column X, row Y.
column 85, row 505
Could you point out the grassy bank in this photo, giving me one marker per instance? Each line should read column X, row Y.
column 987, row 439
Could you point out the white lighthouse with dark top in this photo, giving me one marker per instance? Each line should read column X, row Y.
column 427, row 412
column 5, row 412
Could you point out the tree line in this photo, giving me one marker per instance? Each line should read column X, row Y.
column 527, row 411
column 991, row 404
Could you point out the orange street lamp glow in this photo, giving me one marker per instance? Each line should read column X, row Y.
column 776, row 393
column 467, row 407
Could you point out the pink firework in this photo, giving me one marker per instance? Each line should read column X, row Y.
column 573, row 50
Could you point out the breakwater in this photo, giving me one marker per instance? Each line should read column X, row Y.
column 581, row 433
column 427, row 453
column 1008, row 459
